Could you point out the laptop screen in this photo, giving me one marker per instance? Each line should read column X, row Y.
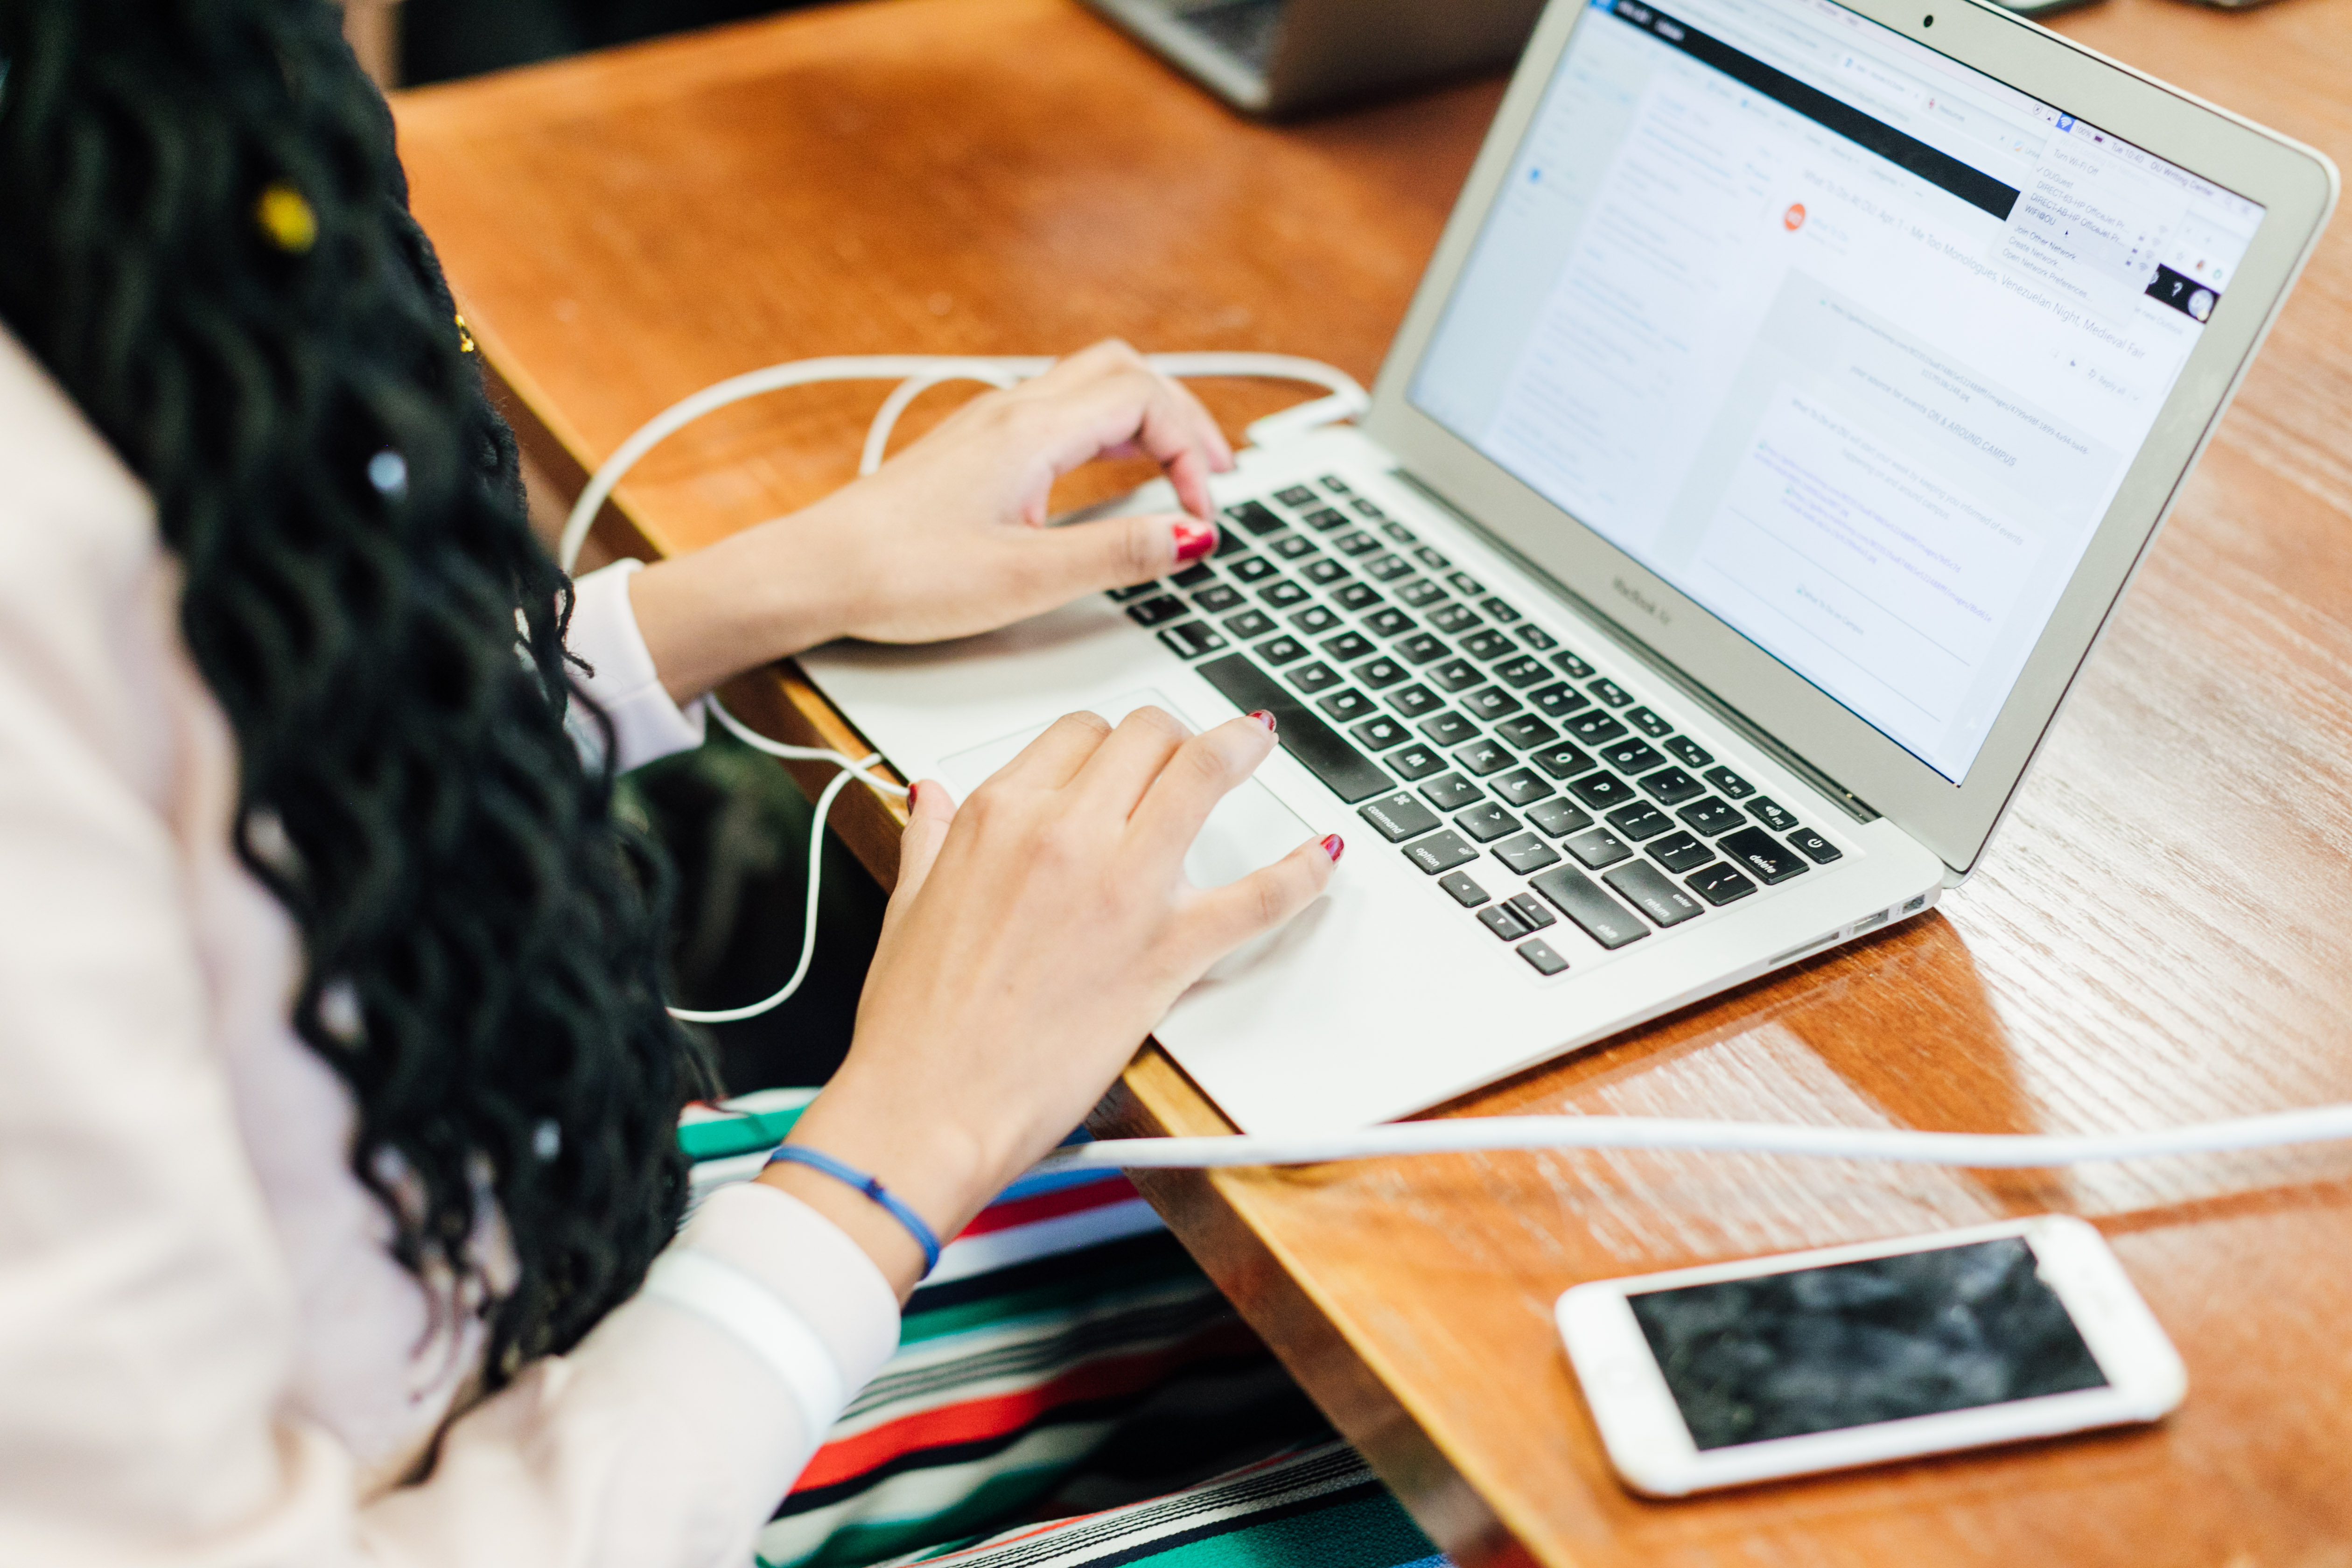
column 1849, row 343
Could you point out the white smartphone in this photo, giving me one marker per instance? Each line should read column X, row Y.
column 1747, row 1372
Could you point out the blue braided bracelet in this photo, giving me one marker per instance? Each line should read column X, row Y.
column 799, row 1154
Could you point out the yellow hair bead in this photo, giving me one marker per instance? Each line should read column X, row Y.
column 287, row 218
column 465, row 338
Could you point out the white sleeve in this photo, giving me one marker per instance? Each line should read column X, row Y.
column 646, row 725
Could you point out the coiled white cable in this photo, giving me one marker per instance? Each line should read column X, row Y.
column 916, row 374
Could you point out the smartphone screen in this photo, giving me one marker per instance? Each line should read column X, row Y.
column 1819, row 1350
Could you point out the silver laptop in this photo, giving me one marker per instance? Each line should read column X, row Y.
column 1279, row 57
column 1791, row 396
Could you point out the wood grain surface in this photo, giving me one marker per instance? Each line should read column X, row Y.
column 2162, row 930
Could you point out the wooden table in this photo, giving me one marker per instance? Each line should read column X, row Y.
column 2163, row 930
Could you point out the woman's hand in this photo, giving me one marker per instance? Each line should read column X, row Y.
column 949, row 537
column 1035, row 937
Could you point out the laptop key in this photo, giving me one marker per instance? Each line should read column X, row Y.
column 1670, row 786
column 1316, row 619
column 1359, row 597
column 1324, row 520
column 1815, row 848
column 1467, row 893
column 1338, row 485
column 1486, row 822
column 1448, row 729
column 1294, row 547
column 1454, row 675
column 1771, row 814
column 1526, row 733
column 1250, row 569
column 1296, row 495
column 1421, row 647
column 1531, row 911
column 1277, row 651
column 1580, row 897
column 1420, row 592
column 1649, row 723
column 1490, row 704
column 1601, row 791
column 1120, row 595
column 1501, row 609
column 1761, row 854
column 1679, row 852
column 1687, row 752
column 1599, row 847
column 1378, row 673
column 1570, row 665
column 1559, row 700
column 1191, row 640
column 1388, row 621
column 1646, row 887
column 1345, row 770
column 1313, row 677
column 1217, row 598
column 1377, row 733
column 1451, row 793
column 1594, row 728
column 1609, row 691
column 1488, row 646
column 1414, row 701
column 1323, row 571
column 1397, row 817
column 1151, row 611
column 1525, row 854
column 1250, row 624
column 1431, row 559
column 1281, row 596
column 1399, row 533
column 1440, row 852
column 1639, row 821
column 1562, row 762
column 1631, row 756
column 1194, row 575
column 1541, row 958
column 1465, row 584
column 1345, row 706
column 1522, row 672
column 1536, row 638
column 1367, row 508
column 1385, row 567
column 1720, row 884
column 1453, row 617
column 1347, row 645
column 1730, row 784
column 1229, row 542
column 1499, row 920
column 1415, row 762
column 1483, row 757
column 1355, row 541
column 1558, row 817
column 1710, row 816
column 1255, row 516
column 1521, row 787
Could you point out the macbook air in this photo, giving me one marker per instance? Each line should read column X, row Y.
column 1793, row 393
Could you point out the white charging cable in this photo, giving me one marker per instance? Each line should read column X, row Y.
column 916, row 374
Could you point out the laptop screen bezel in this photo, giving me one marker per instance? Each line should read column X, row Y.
column 2296, row 184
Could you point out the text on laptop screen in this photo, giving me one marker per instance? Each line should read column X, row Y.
column 1849, row 343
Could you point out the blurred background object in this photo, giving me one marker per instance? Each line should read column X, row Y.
column 411, row 42
column 373, row 28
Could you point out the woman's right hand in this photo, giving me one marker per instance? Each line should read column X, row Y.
column 1036, row 935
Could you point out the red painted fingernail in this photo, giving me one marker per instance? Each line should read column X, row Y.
column 914, row 792
column 1335, row 846
column 1264, row 718
column 1193, row 540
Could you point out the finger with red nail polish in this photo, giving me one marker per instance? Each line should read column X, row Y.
column 1193, row 540
column 1334, row 845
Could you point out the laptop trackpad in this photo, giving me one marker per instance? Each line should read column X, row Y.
column 1248, row 829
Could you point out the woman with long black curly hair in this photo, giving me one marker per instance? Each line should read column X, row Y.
column 337, row 1097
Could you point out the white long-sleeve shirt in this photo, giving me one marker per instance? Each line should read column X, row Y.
column 207, row 1356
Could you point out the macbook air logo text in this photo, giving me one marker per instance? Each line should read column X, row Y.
column 1641, row 600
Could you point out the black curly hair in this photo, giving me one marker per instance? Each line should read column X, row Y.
column 205, row 236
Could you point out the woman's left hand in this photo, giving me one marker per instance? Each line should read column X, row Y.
column 949, row 537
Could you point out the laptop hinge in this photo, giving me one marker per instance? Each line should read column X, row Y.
column 1837, row 794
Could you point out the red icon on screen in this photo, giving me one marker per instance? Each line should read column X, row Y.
column 1794, row 218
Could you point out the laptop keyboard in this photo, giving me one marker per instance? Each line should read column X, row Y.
column 1531, row 786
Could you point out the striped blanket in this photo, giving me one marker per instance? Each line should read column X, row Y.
column 1066, row 1358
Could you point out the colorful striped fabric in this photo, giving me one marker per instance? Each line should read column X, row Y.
column 1065, row 1351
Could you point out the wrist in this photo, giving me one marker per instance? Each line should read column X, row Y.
column 750, row 599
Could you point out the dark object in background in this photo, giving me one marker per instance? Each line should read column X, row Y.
column 2037, row 9
column 444, row 39
column 737, row 827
